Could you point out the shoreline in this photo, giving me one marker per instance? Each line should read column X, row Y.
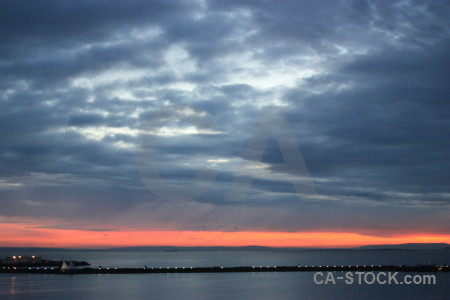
column 248, row 269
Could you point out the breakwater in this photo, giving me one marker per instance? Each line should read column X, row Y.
column 217, row 269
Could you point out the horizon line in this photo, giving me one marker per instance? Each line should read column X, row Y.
column 233, row 247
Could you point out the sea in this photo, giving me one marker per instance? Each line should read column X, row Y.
column 264, row 285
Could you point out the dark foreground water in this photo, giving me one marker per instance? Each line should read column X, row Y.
column 273, row 285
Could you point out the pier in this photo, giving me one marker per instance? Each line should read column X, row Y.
column 218, row 269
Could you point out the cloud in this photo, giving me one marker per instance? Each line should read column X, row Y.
column 364, row 85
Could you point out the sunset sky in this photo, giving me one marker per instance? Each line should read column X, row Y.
column 133, row 123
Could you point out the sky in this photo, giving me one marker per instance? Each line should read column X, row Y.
column 198, row 123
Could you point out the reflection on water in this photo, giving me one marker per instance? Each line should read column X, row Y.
column 289, row 285
column 12, row 290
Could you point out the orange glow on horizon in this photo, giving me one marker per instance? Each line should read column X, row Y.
column 24, row 235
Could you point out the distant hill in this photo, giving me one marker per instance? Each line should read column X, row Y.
column 410, row 246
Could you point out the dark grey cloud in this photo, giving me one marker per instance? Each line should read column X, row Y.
column 365, row 87
column 85, row 119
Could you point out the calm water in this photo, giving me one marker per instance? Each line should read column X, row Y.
column 221, row 285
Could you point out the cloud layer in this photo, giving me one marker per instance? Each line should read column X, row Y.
column 364, row 87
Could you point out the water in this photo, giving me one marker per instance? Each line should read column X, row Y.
column 273, row 285
column 244, row 258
